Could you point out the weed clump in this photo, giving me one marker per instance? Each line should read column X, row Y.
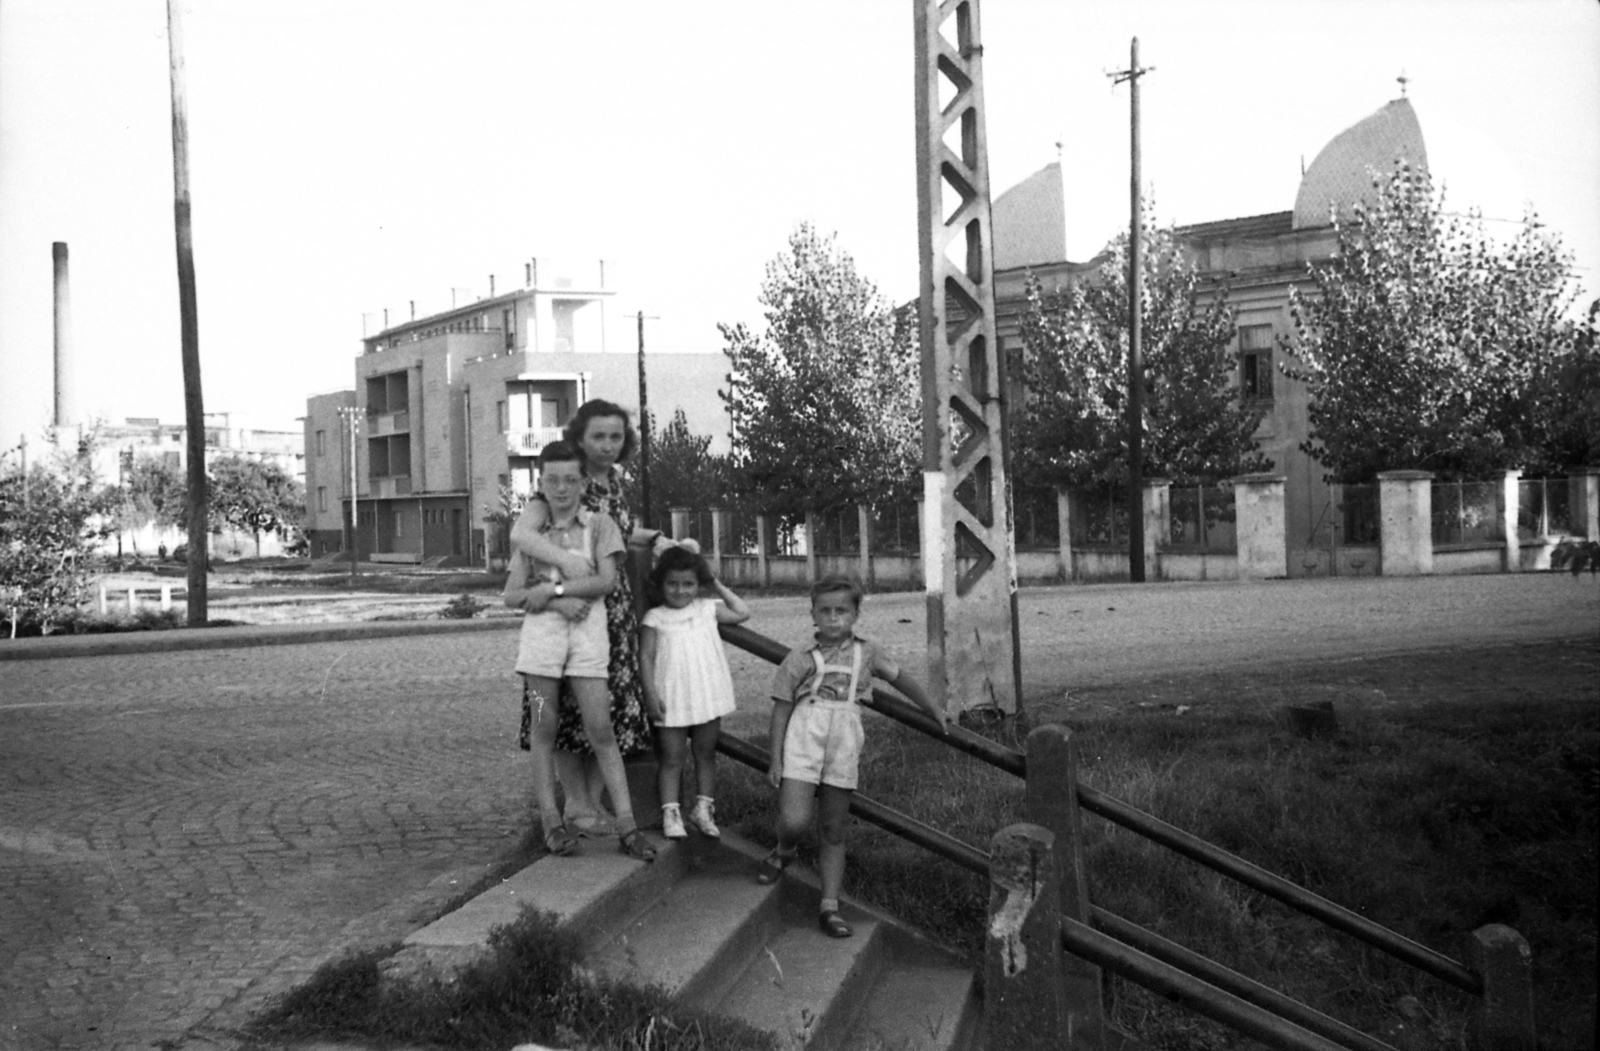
column 531, row 986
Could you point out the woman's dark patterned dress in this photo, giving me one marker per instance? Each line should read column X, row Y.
column 628, row 718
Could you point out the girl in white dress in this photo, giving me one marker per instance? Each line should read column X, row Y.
column 687, row 685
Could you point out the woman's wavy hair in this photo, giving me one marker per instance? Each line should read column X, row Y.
column 595, row 408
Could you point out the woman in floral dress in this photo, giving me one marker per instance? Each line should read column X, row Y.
column 602, row 431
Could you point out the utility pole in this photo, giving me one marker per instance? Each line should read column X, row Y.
column 189, row 325
column 644, row 434
column 352, row 417
column 1135, row 310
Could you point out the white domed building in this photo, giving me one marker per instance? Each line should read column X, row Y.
column 1260, row 257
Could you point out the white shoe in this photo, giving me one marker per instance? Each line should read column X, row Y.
column 700, row 817
column 672, row 822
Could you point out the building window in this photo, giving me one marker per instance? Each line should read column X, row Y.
column 504, row 415
column 322, row 498
column 1255, row 362
column 508, row 321
column 322, row 443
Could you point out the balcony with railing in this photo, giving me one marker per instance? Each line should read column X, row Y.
column 527, row 441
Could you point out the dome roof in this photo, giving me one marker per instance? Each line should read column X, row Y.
column 1471, row 170
column 1029, row 221
column 1342, row 173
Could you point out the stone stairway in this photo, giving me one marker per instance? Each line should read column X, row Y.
column 698, row 924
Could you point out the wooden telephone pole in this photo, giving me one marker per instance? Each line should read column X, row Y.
column 1135, row 324
column 189, row 323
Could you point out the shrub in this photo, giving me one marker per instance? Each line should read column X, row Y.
column 462, row 607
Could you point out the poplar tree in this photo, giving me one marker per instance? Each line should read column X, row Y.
column 1426, row 344
column 825, row 401
column 1071, row 428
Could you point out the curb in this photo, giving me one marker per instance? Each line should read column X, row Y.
column 118, row 644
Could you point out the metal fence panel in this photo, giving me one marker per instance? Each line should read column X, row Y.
column 1358, row 506
column 1202, row 518
column 1467, row 512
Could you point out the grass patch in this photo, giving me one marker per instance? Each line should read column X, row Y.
column 531, row 986
column 1438, row 808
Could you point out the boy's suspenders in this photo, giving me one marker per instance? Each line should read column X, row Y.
column 822, row 667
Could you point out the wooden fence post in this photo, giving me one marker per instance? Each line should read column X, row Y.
column 1023, row 1008
column 1053, row 803
column 762, row 566
column 1504, row 1018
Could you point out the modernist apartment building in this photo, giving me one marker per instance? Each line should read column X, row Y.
column 450, row 410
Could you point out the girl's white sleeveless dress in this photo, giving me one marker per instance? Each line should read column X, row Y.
column 691, row 668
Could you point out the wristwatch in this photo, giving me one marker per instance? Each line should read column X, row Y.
column 561, row 589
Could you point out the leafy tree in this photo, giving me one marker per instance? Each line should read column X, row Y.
column 1072, row 428
column 683, row 472
column 255, row 496
column 826, row 401
column 153, row 491
column 50, row 522
column 1424, row 343
column 1566, row 403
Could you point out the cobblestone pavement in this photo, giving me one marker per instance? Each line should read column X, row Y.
column 183, row 834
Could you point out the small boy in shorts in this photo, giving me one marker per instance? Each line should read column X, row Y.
column 564, row 636
column 817, row 734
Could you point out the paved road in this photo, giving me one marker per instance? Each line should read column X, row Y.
column 183, row 833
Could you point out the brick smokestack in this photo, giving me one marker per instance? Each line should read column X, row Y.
column 66, row 405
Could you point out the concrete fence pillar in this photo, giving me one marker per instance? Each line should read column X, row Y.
column 1503, row 1020
column 1259, row 526
column 680, row 522
column 1405, row 523
column 1511, row 510
column 1024, row 1007
column 1064, row 532
column 763, row 567
column 1583, row 492
column 922, row 545
column 718, row 530
column 811, row 545
column 1052, row 797
column 864, row 531
column 1156, row 515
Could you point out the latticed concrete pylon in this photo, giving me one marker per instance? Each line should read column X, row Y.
column 967, row 546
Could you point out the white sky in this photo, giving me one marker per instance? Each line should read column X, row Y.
column 351, row 155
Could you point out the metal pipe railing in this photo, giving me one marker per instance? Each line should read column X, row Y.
column 1273, row 886
column 1153, row 828
column 1191, row 992
column 1232, row 982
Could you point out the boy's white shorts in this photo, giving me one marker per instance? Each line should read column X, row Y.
column 556, row 648
column 823, row 743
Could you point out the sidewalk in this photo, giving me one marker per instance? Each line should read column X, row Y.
column 169, row 641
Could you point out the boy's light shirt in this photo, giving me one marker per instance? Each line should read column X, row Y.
column 790, row 681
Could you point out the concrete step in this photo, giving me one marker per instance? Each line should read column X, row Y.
column 929, row 1006
column 590, row 890
column 700, row 935
column 803, row 985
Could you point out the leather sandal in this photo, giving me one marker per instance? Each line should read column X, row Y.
column 635, row 845
column 560, row 841
column 771, row 868
column 833, row 924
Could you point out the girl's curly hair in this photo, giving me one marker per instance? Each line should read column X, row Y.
column 673, row 559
